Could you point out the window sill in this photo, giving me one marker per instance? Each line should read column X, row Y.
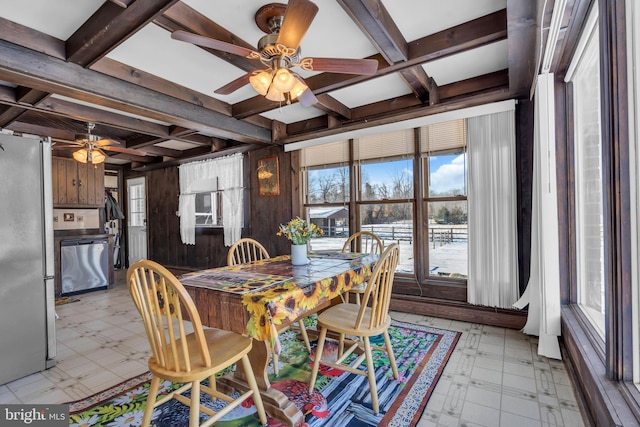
column 602, row 401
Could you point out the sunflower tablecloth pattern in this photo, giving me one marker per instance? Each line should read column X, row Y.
column 273, row 291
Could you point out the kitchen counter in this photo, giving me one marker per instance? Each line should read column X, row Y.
column 61, row 235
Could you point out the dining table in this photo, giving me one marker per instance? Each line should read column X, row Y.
column 259, row 299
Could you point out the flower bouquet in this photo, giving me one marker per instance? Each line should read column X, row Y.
column 299, row 232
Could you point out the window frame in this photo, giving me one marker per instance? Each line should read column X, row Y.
column 581, row 63
column 218, row 211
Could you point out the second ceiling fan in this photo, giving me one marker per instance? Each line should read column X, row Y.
column 279, row 51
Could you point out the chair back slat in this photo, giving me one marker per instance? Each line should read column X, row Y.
column 165, row 307
column 379, row 286
column 246, row 250
column 364, row 242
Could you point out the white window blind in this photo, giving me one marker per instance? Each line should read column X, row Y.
column 390, row 144
column 326, row 154
column 443, row 136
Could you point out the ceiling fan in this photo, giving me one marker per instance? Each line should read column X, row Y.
column 91, row 148
column 279, row 51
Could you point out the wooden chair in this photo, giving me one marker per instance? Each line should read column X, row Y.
column 364, row 242
column 359, row 322
column 179, row 356
column 248, row 250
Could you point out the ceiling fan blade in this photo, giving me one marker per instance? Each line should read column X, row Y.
column 307, row 98
column 67, row 144
column 106, row 142
column 122, row 150
column 296, row 22
column 213, row 43
column 234, row 85
column 343, row 65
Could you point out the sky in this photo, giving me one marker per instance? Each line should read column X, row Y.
column 448, row 172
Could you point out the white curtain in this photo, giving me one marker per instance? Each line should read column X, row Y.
column 543, row 290
column 493, row 245
column 224, row 174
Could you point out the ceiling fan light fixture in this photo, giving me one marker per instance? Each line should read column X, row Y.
column 284, row 80
column 274, row 94
column 298, row 87
column 261, row 81
column 92, row 156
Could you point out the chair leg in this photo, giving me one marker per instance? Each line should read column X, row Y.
column 341, row 345
column 305, row 336
column 392, row 357
column 358, row 298
column 316, row 361
column 151, row 400
column 194, row 409
column 275, row 361
column 257, row 397
column 212, row 382
column 344, row 297
column 371, row 374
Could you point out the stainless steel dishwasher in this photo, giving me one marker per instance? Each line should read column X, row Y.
column 84, row 265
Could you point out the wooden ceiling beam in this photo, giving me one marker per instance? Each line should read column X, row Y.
column 141, row 78
column 421, row 84
column 34, row 129
column 408, row 114
column 27, row 95
column 9, row 115
column 376, row 23
column 32, row 39
column 109, row 26
column 332, row 106
column 16, row 65
column 488, row 88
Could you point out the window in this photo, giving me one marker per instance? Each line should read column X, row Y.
column 443, row 148
column 588, row 181
column 212, row 195
column 137, row 208
column 390, row 185
column 377, row 184
column 327, row 184
column 209, row 209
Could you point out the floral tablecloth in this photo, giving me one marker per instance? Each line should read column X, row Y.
column 274, row 292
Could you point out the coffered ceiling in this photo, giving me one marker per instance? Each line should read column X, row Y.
column 114, row 63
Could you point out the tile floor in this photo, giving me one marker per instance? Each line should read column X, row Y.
column 494, row 377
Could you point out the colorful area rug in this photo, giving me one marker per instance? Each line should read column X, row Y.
column 65, row 300
column 340, row 398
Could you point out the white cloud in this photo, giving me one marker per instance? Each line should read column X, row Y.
column 448, row 176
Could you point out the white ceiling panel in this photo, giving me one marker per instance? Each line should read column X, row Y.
column 486, row 59
column 59, row 18
column 374, row 90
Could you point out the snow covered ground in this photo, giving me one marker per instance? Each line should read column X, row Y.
column 445, row 260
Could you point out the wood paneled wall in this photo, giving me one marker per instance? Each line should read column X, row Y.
column 264, row 215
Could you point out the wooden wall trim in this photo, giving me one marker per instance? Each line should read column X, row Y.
column 512, row 319
column 616, row 185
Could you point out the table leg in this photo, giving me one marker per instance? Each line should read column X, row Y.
column 277, row 405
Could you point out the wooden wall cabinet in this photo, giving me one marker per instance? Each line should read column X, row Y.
column 77, row 184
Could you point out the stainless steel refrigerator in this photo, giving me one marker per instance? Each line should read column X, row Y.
column 27, row 303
